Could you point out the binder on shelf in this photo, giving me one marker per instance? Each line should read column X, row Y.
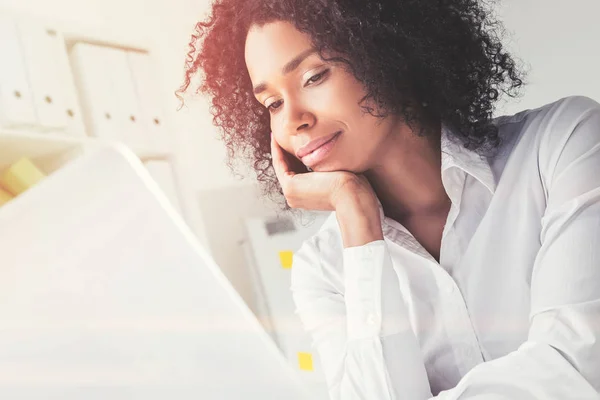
column 133, row 127
column 49, row 72
column 110, row 103
column 40, row 61
column 16, row 99
column 101, row 114
column 150, row 97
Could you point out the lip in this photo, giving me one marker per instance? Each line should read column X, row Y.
column 320, row 153
column 315, row 144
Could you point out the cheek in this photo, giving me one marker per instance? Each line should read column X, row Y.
column 283, row 141
column 343, row 101
column 336, row 97
column 281, row 137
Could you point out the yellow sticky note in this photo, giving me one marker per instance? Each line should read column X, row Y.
column 5, row 197
column 286, row 258
column 20, row 176
column 305, row 361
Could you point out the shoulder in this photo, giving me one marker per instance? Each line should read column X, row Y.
column 570, row 106
column 550, row 122
column 562, row 122
column 543, row 132
column 319, row 260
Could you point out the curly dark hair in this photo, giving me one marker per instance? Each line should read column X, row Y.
column 444, row 54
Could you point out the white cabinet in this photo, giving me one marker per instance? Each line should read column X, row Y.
column 62, row 81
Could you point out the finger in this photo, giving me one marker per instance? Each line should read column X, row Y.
column 295, row 165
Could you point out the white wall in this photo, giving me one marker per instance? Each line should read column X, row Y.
column 560, row 40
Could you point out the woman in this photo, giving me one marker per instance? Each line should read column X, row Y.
column 462, row 258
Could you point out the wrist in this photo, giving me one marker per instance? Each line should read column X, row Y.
column 358, row 218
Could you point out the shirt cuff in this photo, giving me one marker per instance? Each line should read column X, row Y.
column 368, row 273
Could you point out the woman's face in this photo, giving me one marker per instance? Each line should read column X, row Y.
column 310, row 99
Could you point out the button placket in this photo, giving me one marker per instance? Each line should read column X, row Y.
column 449, row 250
column 458, row 322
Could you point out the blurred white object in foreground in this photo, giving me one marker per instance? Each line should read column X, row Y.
column 105, row 293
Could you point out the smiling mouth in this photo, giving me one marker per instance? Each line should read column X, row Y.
column 335, row 135
column 321, row 152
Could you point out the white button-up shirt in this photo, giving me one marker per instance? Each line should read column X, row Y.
column 511, row 311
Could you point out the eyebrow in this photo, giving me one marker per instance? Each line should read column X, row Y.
column 287, row 68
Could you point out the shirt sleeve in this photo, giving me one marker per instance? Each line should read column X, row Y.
column 561, row 357
column 367, row 347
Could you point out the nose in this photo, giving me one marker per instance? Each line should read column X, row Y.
column 298, row 118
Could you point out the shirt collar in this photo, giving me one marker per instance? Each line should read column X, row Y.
column 455, row 155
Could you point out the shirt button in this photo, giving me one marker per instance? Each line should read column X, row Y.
column 371, row 320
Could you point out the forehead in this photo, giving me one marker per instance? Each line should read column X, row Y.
column 269, row 47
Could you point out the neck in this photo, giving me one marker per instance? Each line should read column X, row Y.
column 407, row 177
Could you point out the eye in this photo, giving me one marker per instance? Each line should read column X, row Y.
column 316, row 78
column 274, row 105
